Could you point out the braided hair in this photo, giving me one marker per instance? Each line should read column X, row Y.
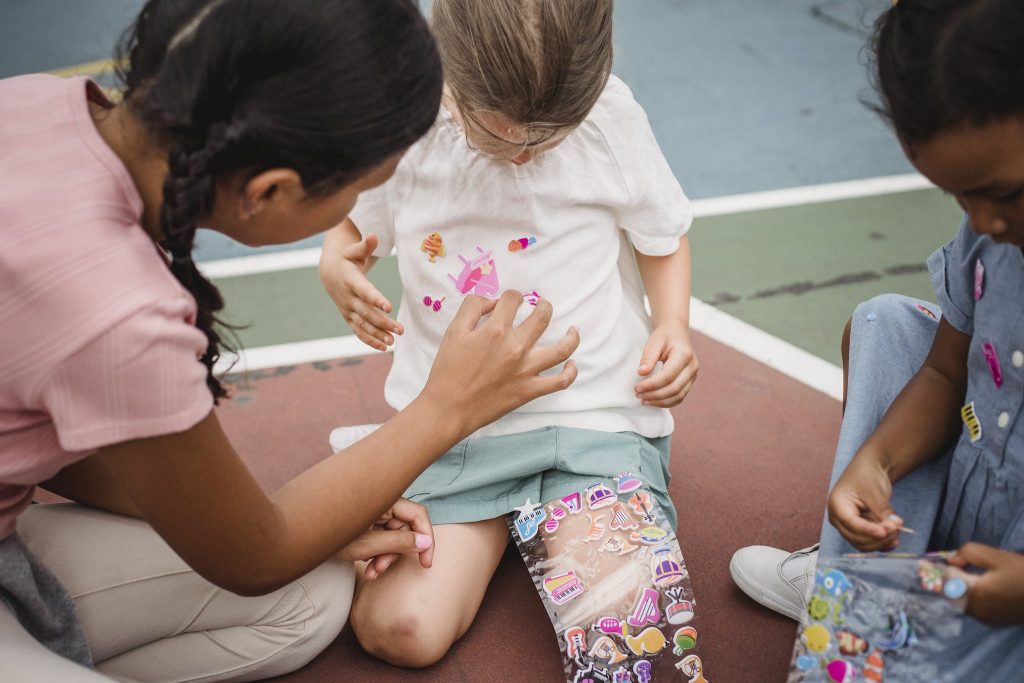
column 941, row 64
column 328, row 88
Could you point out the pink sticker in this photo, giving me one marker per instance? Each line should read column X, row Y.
column 562, row 588
column 992, row 358
column 979, row 279
column 599, row 496
column 551, row 526
column 626, row 482
column 924, row 309
column 575, row 641
column 558, row 512
column 531, row 297
column 646, row 610
column 611, row 626
column 433, row 303
column 573, row 503
column 479, row 275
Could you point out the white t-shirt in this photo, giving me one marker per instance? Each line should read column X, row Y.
column 554, row 226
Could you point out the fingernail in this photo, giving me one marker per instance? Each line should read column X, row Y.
column 895, row 519
column 423, row 541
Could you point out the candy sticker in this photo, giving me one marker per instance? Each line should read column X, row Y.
column 433, row 303
column 650, row 641
column 621, row 521
column 433, row 246
column 575, row 641
column 521, row 243
column 531, row 297
column 646, row 610
column 679, row 611
column 479, row 275
column 971, row 421
column 557, row 512
column 599, row 496
column 562, row 588
column 665, row 569
column 684, row 639
column 551, row 526
column 528, row 522
column 992, row 359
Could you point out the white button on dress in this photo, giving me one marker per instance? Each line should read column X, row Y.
column 1004, row 419
column 1018, row 359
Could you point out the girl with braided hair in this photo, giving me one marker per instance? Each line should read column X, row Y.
column 262, row 120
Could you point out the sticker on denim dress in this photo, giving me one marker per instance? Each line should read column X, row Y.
column 433, row 246
column 927, row 311
column 979, row 279
column 971, row 421
column 992, row 360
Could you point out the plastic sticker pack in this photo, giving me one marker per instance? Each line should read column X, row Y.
column 610, row 573
column 877, row 618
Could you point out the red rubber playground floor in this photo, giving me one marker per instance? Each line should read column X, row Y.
column 751, row 457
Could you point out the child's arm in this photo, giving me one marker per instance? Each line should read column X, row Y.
column 922, row 421
column 667, row 281
column 346, row 258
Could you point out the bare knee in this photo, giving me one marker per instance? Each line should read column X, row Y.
column 401, row 637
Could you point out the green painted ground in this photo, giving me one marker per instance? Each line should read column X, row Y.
column 796, row 272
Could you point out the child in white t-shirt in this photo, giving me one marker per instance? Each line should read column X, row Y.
column 541, row 176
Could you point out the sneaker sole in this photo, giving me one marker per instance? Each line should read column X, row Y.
column 760, row 596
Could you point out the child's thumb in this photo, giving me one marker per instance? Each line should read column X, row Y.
column 649, row 357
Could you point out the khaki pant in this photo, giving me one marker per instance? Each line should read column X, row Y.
column 148, row 617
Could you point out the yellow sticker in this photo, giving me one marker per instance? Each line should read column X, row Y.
column 971, row 421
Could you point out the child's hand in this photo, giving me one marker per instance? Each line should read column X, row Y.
column 997, row 596
column 403, row 529
column 859, row 505
column 363, row 307
column 670, row 344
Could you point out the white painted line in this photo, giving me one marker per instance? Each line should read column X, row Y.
column 790, row 360
column 261, row 263
column 809, row 194
column 713, row 206
column 776, row 353
column 295, row 353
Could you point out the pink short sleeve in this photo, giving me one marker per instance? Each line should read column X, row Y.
column 141, row 378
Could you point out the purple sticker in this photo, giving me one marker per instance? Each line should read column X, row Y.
column 992, row 358
column 979, row 279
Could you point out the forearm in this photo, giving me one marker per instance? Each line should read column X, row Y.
column 667, row 281
column 919, row 425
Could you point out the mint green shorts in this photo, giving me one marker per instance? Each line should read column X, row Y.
column 486, row 478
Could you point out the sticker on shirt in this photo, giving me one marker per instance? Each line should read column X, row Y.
column 531, row 297
column 924, row 309
column 479, row 275
column 971, row 421
column 521, row 244
column 433, row 246
column 979, row 279
column 434, row 304
column 992, row 359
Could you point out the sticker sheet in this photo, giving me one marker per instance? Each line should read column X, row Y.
column 875, row 618
column 610, row 573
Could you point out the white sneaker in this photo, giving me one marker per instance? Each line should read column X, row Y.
column 778, row 580
column 343, row 437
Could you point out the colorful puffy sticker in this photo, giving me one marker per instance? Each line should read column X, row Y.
column 818, row 608
column 651, row 535
column 851, row 644
column 648, row 642
column 646, row 610
column 691, row 666
column 642, row 669
column 841, row 671
column 833, row 582
column 901, row 633
column 604, row 648
column 433, row 246
column 621, row 520
column 931, row 575
column 435, row 304
column 531, row 297
column 627, row 483
column 684, row 639
column 600, row 496
column 528, row 522
column 572, row 503
column 971, row 421
column 679, row 610
column 575, row 641
column 955, row 588
column 874, row 666
column 816, row 638
column 564, row 587
column 478, row 275
column 611, row 626
column 595, row 530
column 521, row 243
column 665, row 569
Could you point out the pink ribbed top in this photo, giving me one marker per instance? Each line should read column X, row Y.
column 97, row 342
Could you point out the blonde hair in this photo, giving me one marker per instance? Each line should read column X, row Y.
column 542, row 64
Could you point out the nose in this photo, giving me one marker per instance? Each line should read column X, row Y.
column 985, row 218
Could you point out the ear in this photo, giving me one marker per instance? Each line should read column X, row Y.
column 270, row 187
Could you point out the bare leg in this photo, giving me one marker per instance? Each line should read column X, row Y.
column 411, row 616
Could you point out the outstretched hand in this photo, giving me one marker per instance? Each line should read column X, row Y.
column 995, row 597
